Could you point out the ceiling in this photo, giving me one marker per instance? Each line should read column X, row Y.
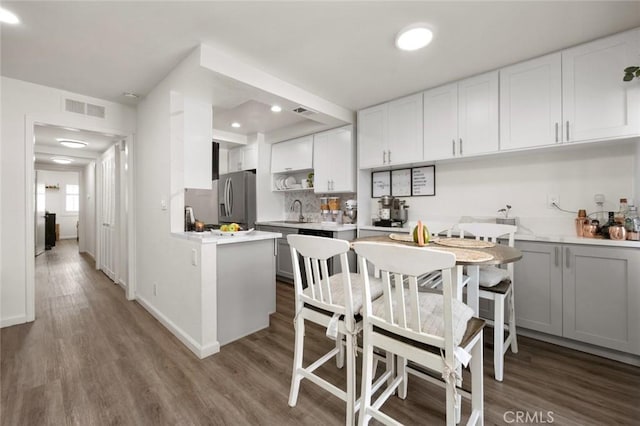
column 341, row 51
column 47, row 145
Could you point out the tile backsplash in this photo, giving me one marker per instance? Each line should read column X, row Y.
column 310, row 204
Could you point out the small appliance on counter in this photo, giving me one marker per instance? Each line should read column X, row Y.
column 330, row 211
column 392, row 212
column 351, row 210
column 189, row 219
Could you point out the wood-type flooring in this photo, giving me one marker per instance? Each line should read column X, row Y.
column 93, row 358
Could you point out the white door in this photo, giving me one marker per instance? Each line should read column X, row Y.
column 531, row 103
column 597, row 104
column 40, row 197
column 405, row 130
column 440, row 122
column 478, row 114
column 107, row 217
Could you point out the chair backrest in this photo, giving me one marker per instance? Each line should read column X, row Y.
column 436, row 228
column 490, row 232
column 315, row 253
column 398, row 263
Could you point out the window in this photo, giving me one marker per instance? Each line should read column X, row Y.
column 72, row 198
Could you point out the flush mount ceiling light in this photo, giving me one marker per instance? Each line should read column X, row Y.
column 62, row 160
column 414, row 37
column 276, row 108
column 72, row 143
column 235, row 124
column 8, row 17
column 130, row 95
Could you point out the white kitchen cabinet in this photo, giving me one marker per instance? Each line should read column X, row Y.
column 538, row 287
column 461, row 119
column 243, row 158
column 531, row 103
column 585, row 293
column 391, row 134
column 292, row 155
column 601, row 296
column 334, row 161
column 597, row 104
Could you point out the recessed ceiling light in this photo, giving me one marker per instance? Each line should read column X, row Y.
column 8, row 17
column 130, row 95
column 235, row 124
column 414, row 37
column 72, row 143
column 276, row 108
column 62, row 160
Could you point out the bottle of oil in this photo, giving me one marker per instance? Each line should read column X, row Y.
column 604, row 230
column 622, row 213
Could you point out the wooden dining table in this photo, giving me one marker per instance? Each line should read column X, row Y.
column 471, row 257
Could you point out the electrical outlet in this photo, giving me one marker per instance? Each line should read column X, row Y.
column 163, row 204
column 194, row 257
column 551, row 200
column 155, row 289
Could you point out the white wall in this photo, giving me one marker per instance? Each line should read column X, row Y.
column 163, row 261
column 55, row 200
column 22, row 100
column 477, row 188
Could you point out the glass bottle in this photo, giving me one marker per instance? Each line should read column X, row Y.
column 604, row 230
column 622, row 213
column 632, row 224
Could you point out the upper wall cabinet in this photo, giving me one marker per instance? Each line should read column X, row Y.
column 334, row 161
column 461, row 118
column 391, row 133
column 531, row 103
column 194, row 126
column 597, row 103
column 243, row 158
column 292, row 155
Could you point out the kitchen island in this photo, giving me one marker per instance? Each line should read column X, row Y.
column 219, row 289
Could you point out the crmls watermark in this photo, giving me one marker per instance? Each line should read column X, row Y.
column 528, row 417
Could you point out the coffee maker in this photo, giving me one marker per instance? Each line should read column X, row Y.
column 392, row 212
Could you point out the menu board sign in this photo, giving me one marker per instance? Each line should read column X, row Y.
column 423, row 181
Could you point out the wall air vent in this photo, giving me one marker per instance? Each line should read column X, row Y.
column 79, row 107
column 304, row 111
column 95, row 110
column 74, row 106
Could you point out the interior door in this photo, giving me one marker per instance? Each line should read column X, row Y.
column 40, row 197
column 107, row 214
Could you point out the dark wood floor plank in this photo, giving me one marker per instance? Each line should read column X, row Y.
column 93, row 358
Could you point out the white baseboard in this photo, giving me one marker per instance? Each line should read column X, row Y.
column 122, row 284
column 583, row 347
column 195, row 347
column 68, row 237
column 8, row 322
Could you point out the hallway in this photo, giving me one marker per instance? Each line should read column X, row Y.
column 93, row 358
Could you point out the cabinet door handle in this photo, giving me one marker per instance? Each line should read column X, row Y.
column 557, row 251
column 384, row 157
column 389, row 156
column 557, row 132
column 566, row 259
column 287, row 168
column 333, row 185
column 460, row 146
column 453, row 147
column 567, row 130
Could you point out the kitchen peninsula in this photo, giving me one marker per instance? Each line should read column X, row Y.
column 224, row 288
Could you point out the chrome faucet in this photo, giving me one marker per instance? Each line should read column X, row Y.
column 293, row 208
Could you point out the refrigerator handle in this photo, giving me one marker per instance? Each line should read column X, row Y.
column 230, row 197
column 224, row 198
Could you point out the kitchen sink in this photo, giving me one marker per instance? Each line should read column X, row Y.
column 292, row 221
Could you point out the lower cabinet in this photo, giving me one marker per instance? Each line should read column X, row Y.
column 284, row 266
column 586, row 293
column 284, row 263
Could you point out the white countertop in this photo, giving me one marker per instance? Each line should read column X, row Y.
column 562, row 239
column 208, row 238
column 311, row 225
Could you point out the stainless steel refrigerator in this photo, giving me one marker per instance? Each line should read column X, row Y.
column 237, row 199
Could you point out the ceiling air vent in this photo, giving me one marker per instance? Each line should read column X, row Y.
column 74, row 106
column 304, row 111
column 95, row 111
